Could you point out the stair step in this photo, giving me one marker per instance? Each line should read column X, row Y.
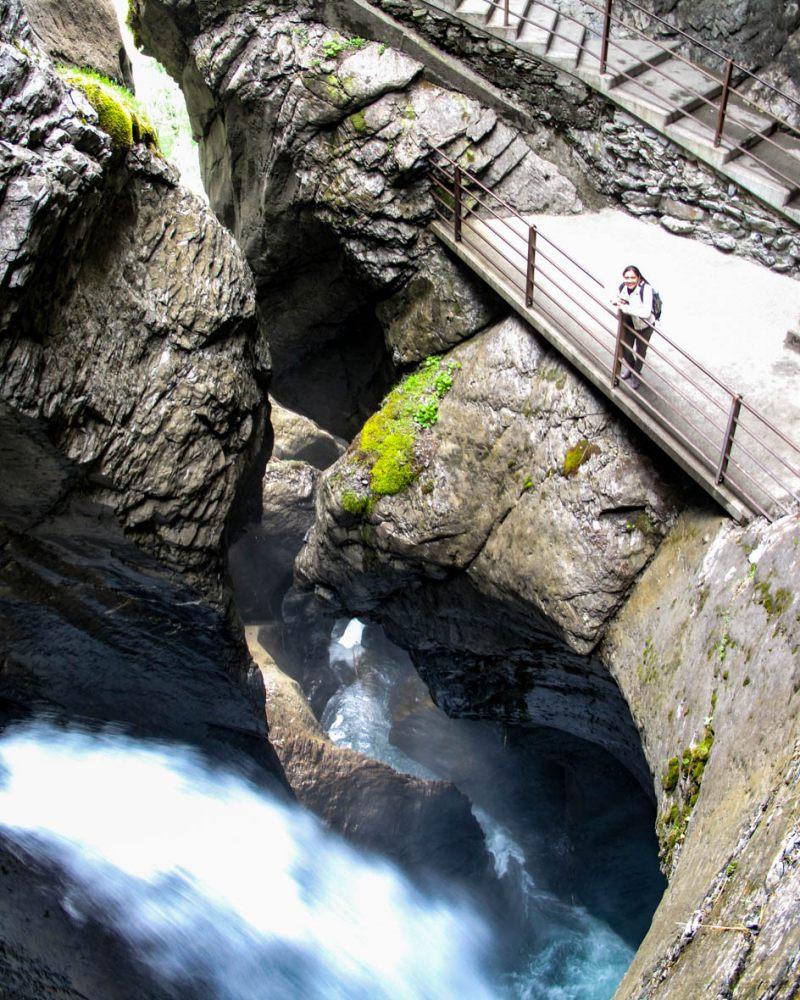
column 516, row 8
column 741, row 125
column 566, row 41
column 628, row 58
column 471, row 8
column 508, row 161
column 535, row 31
column 760, row 179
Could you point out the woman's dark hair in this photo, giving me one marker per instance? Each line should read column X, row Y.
column 636, row 271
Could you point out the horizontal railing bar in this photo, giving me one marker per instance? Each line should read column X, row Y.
column 480, row 253
column 515, row 267
column 732, row 463
column 731, row 115
column 696, row 41
column 556, row 285
column 760, row 416
column 615, row 19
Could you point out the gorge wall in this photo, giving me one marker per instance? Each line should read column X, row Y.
column 537, row 559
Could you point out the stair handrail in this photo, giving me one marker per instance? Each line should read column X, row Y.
column 721, row 463
column 791, row 181
column 709, row 48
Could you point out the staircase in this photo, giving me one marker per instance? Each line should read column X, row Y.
column 655, row 82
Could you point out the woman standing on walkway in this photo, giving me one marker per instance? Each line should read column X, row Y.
column 635, row 299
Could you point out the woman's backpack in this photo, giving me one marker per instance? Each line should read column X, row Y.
column 658, row 302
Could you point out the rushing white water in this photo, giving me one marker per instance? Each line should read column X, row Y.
column 571, row 955
column 209, row 878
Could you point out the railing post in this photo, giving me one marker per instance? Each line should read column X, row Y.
column 617, row 364
column 730, row 430
column 604, row 39
column 530, row 267
column 723, row 101
column 457, row 205
column 505, row 14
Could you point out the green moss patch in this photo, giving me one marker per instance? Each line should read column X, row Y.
column 117, row 109
column 682, row 779
column 577, row 455
column 774, row 603
column 388, row 440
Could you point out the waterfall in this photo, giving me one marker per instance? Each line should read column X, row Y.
column 567, row 953
column 211, row 880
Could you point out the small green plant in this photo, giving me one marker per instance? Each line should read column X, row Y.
column 354, row 503
column 577, row 455
column 527, row 483
column 670, row 779
column 731, row 869
column 427, row 413
column 301, row 34
column 332, row 47
column 381, row 49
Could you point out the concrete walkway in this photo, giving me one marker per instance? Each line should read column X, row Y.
column 730, row 315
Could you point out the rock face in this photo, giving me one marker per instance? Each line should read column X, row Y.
column 752, row 32
column 82, row 33
column 313, row 148
column 705, row 651
column 154, row 294
column 532, row 513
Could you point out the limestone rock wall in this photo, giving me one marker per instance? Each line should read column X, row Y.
column 83, row 33
column 129, row 320
column 708, row 643
column 314, row 148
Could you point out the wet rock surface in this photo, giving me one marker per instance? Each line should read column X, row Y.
column 314, row 147
column 93, row 632
column 426, row 826
column 533, row 511
column 83, row 33
column 152, row 369
column 708, row 643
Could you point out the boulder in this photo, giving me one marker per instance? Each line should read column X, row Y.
column 83, row 33
column 297, row 438
column 426, row 826
column 436, row 309
column 531, row 511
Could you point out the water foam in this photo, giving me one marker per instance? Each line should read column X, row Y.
column 212, row 879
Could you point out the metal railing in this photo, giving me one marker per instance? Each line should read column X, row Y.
column 730, row 442
column 714, row 97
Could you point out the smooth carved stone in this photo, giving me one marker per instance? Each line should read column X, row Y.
column 82, row 33
column 299, row 438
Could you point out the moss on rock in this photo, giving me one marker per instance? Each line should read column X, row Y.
column 577, row 455
column 118, row 112
column 387, row 443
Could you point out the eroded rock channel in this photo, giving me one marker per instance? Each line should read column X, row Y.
column 294, row 511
